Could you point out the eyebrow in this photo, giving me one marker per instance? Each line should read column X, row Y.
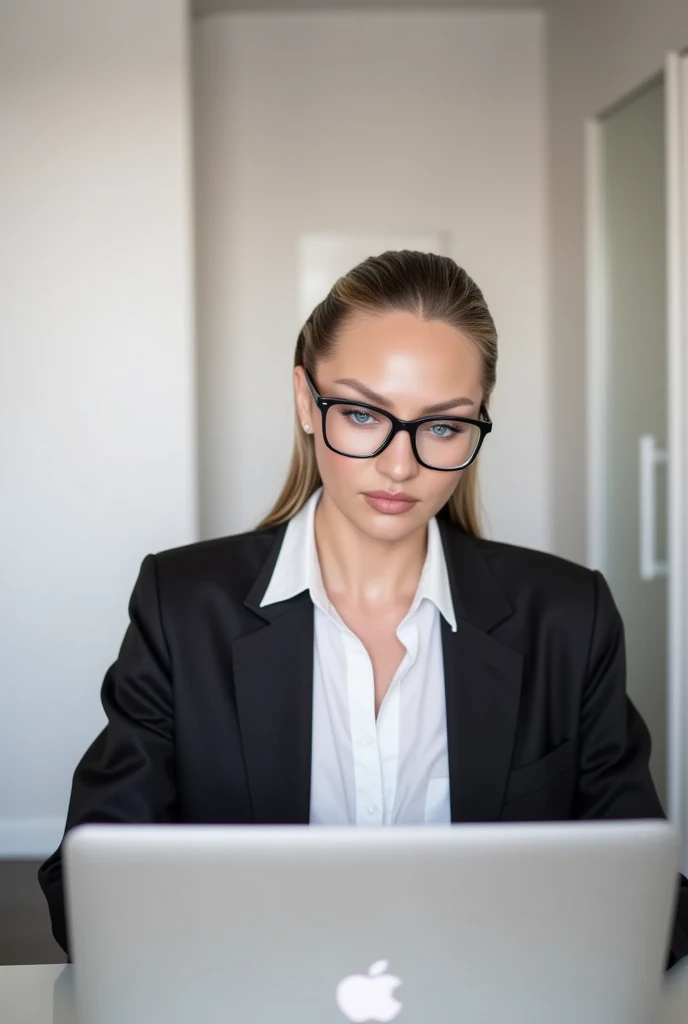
column 375, row 399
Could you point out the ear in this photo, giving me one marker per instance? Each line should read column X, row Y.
column 305, row 406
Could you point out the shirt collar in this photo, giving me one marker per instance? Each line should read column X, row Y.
column 434, row 579
column 298, row 569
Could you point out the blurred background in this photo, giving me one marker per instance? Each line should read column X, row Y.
column 178, row 183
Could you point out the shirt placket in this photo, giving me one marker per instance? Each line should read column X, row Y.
column 366, row 758
column 389, row 718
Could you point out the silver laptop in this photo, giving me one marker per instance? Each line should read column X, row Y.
column 496, row 924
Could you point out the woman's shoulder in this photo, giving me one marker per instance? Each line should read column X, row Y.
column 513, row 558
column 544, row 588
column 529, row 579
column 213, row 547
column 234, row 560
column 506, row 560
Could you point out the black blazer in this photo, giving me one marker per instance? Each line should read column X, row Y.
column 209, row 703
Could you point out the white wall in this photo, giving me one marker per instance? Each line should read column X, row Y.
column 390, row 121
column 97, row 435
column 598, row 51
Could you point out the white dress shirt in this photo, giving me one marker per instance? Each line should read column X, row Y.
column 392, row 770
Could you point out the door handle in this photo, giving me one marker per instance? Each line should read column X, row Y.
column 650, row 456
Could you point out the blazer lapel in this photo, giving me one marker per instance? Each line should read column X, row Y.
column 273, row 678
column 482, row 683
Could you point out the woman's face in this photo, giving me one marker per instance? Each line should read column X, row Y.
column 405, row 365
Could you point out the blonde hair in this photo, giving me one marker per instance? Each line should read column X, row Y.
column 433, row 288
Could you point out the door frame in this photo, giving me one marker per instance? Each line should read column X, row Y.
column 676, row 123
column 676, row 91
column 597, row 367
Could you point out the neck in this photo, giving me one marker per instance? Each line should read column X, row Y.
column 362, row 569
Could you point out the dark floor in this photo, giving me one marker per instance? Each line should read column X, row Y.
column 25, row 936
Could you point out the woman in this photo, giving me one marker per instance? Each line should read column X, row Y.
column 364, row 657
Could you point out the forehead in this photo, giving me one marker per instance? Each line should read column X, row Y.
column 399, row 352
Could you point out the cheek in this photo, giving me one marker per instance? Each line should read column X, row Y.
column 336, row 470
column 439, row 487
column 444, row 484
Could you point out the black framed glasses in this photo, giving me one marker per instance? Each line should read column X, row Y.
column 361, row 431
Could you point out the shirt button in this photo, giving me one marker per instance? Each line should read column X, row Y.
column 372, row 809
column 364, row 741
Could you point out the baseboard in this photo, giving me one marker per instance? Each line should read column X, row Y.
column 35, row 838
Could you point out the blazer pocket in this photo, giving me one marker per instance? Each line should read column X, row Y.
column 539, row 774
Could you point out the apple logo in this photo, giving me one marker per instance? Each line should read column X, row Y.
column 368, row 997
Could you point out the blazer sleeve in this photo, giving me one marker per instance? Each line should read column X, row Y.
column 127, row 775
column 614, row 773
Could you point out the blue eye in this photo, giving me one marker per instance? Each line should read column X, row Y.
column 442, row 430
column 358, row 417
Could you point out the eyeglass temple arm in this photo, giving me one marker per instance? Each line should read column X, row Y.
column 311, row 385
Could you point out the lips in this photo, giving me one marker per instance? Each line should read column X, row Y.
column 390, row 503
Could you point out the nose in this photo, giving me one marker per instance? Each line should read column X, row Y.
column 397, row 462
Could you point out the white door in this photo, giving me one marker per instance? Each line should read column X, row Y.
column 633, row 224
column 638, row 186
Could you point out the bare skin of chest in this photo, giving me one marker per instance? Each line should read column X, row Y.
column 376, row 629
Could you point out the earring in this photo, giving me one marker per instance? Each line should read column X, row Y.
column 307, row 428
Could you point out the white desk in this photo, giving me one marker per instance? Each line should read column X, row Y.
column 43, row 995
column 36, row 995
